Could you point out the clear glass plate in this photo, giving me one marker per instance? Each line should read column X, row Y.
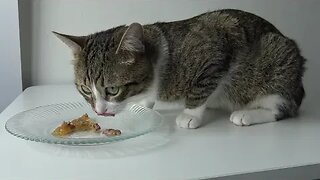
column 37, row 124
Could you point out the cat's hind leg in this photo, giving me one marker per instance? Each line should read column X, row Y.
column 252, row 116
column 263, row 110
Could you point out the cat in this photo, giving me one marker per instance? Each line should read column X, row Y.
column 226, row 58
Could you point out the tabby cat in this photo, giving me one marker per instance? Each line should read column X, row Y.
column 222, row 59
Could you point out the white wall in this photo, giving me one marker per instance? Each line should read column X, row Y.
column 10, row 64
column 48, row 61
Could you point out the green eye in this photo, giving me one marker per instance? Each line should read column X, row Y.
column 85, row 89
column 112, row 91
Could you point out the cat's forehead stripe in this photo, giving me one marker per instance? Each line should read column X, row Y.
column 102, row 81
column 95, row 91
column 98, row 77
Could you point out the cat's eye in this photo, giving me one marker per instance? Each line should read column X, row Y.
column 112, row 91
column 85, row 90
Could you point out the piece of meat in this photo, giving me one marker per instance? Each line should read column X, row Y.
column 111, row 132
column 83, row 123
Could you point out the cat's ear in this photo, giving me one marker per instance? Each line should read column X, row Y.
column 132, row 39
column 75, row 43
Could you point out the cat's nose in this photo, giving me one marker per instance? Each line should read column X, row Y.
column 100, row 109
column 100, row 112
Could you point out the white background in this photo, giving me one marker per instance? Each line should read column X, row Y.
column 10, row 64
column 48, row 61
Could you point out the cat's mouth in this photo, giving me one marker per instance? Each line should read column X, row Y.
column 106, row 114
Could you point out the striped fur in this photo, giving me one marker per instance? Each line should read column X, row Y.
column 233, row 55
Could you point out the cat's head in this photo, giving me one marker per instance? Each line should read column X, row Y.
column 110, row 67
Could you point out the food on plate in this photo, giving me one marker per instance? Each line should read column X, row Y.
column 83, row 123
column 111, row 132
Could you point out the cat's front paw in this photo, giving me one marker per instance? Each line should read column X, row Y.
column 188, row 121
column 241, row 118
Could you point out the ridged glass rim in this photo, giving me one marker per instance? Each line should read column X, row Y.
column 82, row 141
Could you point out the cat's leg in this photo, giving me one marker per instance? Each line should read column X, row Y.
column 263, row 110
column 203, row 86
column 204, row 64
column 252, row 116
column 196, row 102
column 147, row 102
column 191, row 118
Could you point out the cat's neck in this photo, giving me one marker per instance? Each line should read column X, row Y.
column 156, row 45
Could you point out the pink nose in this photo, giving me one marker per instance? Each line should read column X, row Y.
column 99, row 112
column 104, row 113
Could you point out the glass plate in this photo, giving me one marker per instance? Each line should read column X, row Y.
column 38, row 123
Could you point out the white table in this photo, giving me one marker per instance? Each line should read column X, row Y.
column 289, row 148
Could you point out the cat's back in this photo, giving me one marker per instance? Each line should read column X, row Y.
column 233, row 21
column 230, row 18
column 196, row 44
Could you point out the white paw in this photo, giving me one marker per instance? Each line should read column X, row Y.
column 185, row 120
column 241, row 118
